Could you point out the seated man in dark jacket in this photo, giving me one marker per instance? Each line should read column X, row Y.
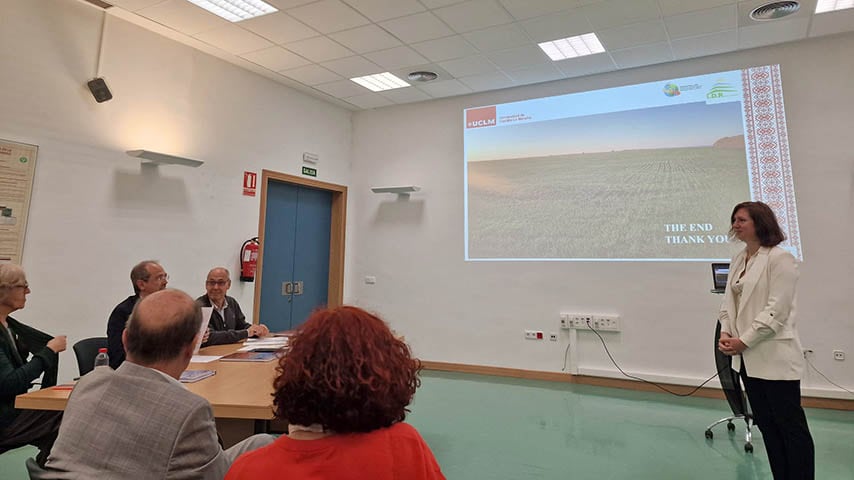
column 227, row 324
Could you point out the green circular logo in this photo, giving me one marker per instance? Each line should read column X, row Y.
column 23, row 159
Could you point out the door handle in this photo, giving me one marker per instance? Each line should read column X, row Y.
column 298, row 286
column 287, row 288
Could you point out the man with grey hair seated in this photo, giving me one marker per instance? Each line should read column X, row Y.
column 139, row 422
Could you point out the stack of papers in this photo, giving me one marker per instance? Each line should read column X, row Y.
column 190, row 376
column 266, row 344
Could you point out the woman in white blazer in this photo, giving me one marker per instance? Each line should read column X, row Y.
column 758, row 329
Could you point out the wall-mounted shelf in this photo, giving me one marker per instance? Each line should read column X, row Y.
column 155, row 158
column 402, row 190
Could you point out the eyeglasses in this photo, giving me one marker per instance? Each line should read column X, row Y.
column 25, row 286
column 162, row 276
column 218, row 283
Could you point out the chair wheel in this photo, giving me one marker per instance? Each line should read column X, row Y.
column 709, row 434
column 748, row 448
column 730, row 427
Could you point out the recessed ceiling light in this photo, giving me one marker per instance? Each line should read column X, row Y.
column 774, row 10
column 422, row 76
column 236, row 10
column 571, row 47
column 832, row 5
column 380, row 81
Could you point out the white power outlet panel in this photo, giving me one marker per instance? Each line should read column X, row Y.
column 588, row 321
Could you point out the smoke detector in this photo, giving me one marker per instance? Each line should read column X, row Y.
column 774, row 10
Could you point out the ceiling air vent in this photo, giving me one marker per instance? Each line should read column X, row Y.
column 774, row 10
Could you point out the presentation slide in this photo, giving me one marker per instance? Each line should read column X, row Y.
column 646, row 172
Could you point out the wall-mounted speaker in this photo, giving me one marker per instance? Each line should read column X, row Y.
column 99, row 90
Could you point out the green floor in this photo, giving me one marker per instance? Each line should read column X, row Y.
column 492, row 428
column 489, row 428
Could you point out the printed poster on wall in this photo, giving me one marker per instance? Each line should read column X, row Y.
column 17, row 169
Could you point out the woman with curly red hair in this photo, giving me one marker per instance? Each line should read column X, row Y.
column 343, row 388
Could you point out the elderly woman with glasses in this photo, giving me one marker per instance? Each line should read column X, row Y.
column 25, row 355
column 343, row 388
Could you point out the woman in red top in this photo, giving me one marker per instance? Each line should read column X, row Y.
column 343, row 388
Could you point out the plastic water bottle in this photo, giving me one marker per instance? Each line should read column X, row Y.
column 102, row 359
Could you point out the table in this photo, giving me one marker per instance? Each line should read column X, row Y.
column 240, row 394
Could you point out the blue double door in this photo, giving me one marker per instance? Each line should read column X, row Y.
column 295, row 263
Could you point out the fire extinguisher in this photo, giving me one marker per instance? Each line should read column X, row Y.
column 249, row 259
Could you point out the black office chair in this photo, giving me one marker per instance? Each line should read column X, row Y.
column 731, row 385
column 85, row 350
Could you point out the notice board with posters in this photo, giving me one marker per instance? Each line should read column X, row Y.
column 17, row 170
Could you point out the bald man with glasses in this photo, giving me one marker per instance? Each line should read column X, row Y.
column 227, row 323
column 146, row 277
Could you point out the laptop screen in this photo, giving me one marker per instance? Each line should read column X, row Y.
column 720, row 273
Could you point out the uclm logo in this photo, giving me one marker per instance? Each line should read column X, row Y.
column 480, row 117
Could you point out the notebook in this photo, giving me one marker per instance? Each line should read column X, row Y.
column 249, row 357
column 190, row 376
column 720, row 273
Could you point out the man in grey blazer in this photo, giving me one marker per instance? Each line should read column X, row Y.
column 138, row 421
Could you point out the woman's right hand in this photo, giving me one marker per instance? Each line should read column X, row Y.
column 58, row 344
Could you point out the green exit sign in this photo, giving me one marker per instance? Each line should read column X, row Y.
column 311, row 172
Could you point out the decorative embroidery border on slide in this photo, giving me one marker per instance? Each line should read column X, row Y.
column 769, row 162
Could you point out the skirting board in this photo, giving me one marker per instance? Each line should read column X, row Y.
column 811, row 402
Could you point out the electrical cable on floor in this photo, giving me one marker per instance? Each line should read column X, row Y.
column 565, row 354
column 692, row 392
column 829, row 380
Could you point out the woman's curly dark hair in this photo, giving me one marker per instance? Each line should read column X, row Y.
column 345, row 370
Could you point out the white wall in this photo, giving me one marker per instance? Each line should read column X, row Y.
column 475, row 313
column 95, row 211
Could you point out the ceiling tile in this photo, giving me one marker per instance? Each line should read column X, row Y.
column 645, row 55
column 487, row 81
column 311, row 75
column 772, row 32
column 474, row 65
column 535, row 74
column 439, row 3
column 517, row 57
column 342, row 88
column 352, row 67
column 704, row 21
column 276, row 59
column 285, row 4
column 279, row 28
column 632, row 35
column 234, row 39
column 498, row 38
column 522, row 9
column 444, row 48
column 675, row 7
column 319, row 49
column 405, row 95
column 832, row 22
column 611, row 13
column 133, row 5
column 328, row 16
column 183, row 16
column 474, row 15
column 553, row 27
column 379, row 10
column 703, row 45
column 396, row 58
column 417, row 28
column 446, row 88
column 369, row 100
column 587, row 65
column 366, row 39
